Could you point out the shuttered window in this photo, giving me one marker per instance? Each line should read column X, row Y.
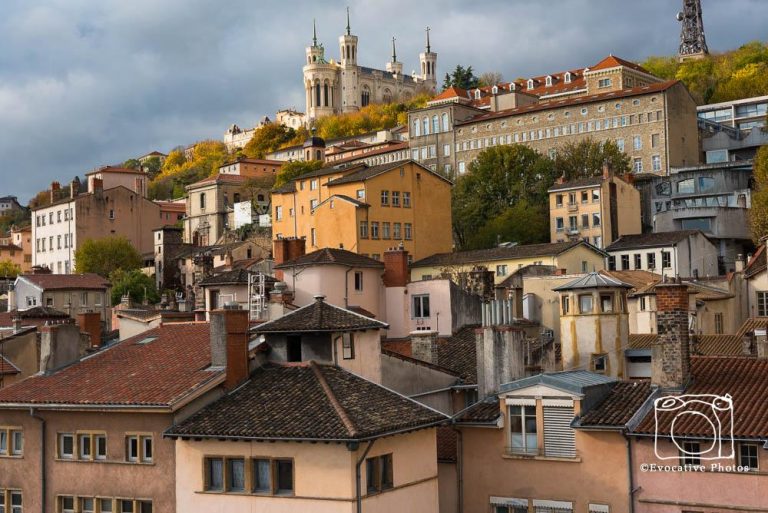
column 559, row 437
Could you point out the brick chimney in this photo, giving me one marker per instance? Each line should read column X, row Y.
column 229, row 344
column 286, row 249
column 396, row 267
column 74, row 189
column 90, row 323
column 671, row 358
column 55, row 188
column 97, row 187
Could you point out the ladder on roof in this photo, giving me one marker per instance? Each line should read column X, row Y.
column 257, row 303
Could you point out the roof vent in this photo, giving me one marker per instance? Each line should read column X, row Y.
column 319, row 298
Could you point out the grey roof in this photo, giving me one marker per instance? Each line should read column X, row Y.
column 320, row 316
column 576, row 382
column 331, row 256
column 651, row 240
column 593, row 280
column 234, row 277
column 502, row 253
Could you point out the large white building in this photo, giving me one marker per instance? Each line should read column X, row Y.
column 333, row 87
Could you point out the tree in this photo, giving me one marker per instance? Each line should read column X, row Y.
column 461, row 77
column 758, row 214
column 136, row 284
column 523, row 223
column 152, row 166
column 586, row 158
column 294, row 169
column 132, row 164
column 8, row 269
column 104, row 256
column 501, row 178
column 490, row 78
column 268, row 138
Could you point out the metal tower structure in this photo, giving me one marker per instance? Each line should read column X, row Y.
column 692, row 42
column 257, row 296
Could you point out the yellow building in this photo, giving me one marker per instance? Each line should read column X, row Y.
column 572, row 256
column 597, row 209
column 367, row 209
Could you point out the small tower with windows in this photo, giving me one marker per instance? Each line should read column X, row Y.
column 320, row 82
column 428, row 62
column 395, row 67
column 350, row 94
column 314, row 147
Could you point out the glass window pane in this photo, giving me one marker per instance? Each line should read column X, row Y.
column 261, row 478
column 105, row 505
column 215, row 474
column 3, row 442
column 126, row 506
column 284, row 476
column 236, row 475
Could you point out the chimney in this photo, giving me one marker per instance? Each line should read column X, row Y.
column 90, row 323
column 40, row 269
column 606, row 170
column 747, row 344
column 396, row 267
column 739, row 267
column 561, row 272
column 59, row 345
column 424, row 346
column 16, row 324
column 761, row 343
column 670, row 358
column 229, row 343
column 55, row 188
column 98, row 187
column 286, row 249
column 74, row 189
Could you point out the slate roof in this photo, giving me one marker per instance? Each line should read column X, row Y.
column 499, row 253
column 578, row 183
column 234, row 277
column 307, row 402
column 576, row 382
column 745, row 379
column 160, row 373
column 650, row 240
column 618, row 406
column 66, row 281
column 593, row 280
column 320, row 316
column 331, row 256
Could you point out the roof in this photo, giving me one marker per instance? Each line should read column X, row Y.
column 331, row 256
column 486, row 411
column 307, row 402
column 706, row 345
column 636, row 278
column 757, row 263
column 320, row 316
column 500, row 253
column 588, row 181
column 577, row 381
column 612, row 61
column 66, row 281
column 571, row 101
column 7, row 367
column 139, row 371
column 37, row 315
column 651, row 240
column 220, row 178
column 373, row 171
column 593, row 280
column 120, row 170
column 618, row 406
column 233, row 277
column 751, row 324
column 745, row 379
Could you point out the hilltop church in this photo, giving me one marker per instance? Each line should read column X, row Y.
column 339, row 87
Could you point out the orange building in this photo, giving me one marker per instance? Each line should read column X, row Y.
column 367, row 209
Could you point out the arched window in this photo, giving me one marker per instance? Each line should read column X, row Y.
column 365, row 96
column 425, row 124
column 495, row 90
column 317, row 95
column 387, row 96
column 416, row 128
column 318, row 155
column 435, row 124
column 548, row 81
column 445, row 122
column 353, row 53
column 530, row 83
column 567, row 77
column 477, row 94
column 325, row 93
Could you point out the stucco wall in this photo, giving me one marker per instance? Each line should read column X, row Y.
column 329, row 280
column 411, row 378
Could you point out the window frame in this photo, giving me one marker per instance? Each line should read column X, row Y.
column 383, row 474
column 417, row 312
column 690, row 459
column 756, row 456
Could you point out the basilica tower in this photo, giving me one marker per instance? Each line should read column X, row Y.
column 349, row 70
column 321, row 85
column 428, row 62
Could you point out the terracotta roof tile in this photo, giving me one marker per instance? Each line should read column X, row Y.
column 158, row 373
column 484, row 412
column 320, row 316
column 757, row 263
column 498, row 253
column 7, row 367
column 307, row 402
column 706, row 345
column 66, row 281
column 447, row 444
column 618, row 406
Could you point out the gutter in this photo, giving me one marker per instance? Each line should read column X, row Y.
column 42, row 456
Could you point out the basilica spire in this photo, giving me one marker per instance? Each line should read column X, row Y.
column 349, row 31
column 429, row 48
column 394, row 51
column 314, row 32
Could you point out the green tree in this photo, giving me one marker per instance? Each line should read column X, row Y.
column 136, row 284
column 461, row 77
column 8, row 269
column 294, row 169
column 500, row 178
column 758, row 214
column 586, row 158
column 522, row 222
column 132, row 164
column 104, row 256
column 152, row 166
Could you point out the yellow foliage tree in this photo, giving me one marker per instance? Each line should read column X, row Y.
column 758, row 214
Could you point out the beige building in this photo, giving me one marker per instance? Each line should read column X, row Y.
column 60, row 228
column 111, row 176
column 72, row 294
column 597, row 209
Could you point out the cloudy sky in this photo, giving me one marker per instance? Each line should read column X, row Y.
column 90, row 82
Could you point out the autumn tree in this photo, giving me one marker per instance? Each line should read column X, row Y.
column 152, row 166
column 294, row 169
column 8, row 269
column 503, row 196
column 758, row 214
column 268, row 138
column 140, row 287
column 178, row 171
column 132, row 164
column 104, row 256
column 586, row 158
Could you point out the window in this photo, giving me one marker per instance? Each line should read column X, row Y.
column 235, row 474
column 385, row 230
column 84, row 443
column 559, row 200
column 654, row 140
column 396, row 231
column 585, row 220
column 138, row 448
column 637, row 143
column 604, row 82
column 650, row 259
column 584, row 263
column 395, row 198
column 313, row 237
column 67, row 504
column 408, row 231
column 415, row 126
column 374, row 229
column 522, row 427
column 348, row 346
column 638, row 261
column 585, row 303
column 446, row 150
column 144, row 506
column 611, row 263
column 214, row 474
column 384, row 198
column 584, row 196
column 559, row 224
column 637, row 165
column 378, row 472
column 620, row 144
column 126, row 506
column 358, row 281
column 111, row 214
column 719, row 323
column 656, row 163
column 425, row 126
column 565, row 304
column 283, row 477
column 86, row 505
column 762, row 304
column 146, row 449
column 624, row 262
column 501, row 270
column 599, row 362
column 406, row 199
column 462, row 168
column 313, row 184
column 105, row 505
column 421, row 306
column 278, row 213
column 666, row 259
column 11, row 442
column 642, row 303
column 202, row 201
column 360, row 194
column 446, row 126
column 595, row 219
column 262, row 476
column 101, row 446
column 606, row 303
column 689, row 455
column 748, row 456
column 686, row 186
column 66, row 449
column 312, row 205
column 363, row 229
column 706, row 183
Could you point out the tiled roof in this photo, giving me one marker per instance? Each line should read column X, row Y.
column 593, row 280
column 706, row 345
column 37, row 315
column 650, row 240
column 751, row 324
column 331, row 256
column 447, row 444
column 484, row 412
column 7, row 367
column 220, row 178
column 498, row 253
column 139, row 371
column 320, row 316
column 234, row 277
column 307, row 402
column 637, row 279
column 66, row 281
column 757, row 263
column 112, row 169
column 372, row 171
column 618, row 406
column 612, row 61
column 389, row 148
column 745, row 379
column 588, row 181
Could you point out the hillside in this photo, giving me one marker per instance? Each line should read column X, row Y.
column 731, row 75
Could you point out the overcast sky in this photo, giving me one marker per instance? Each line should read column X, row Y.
column 85, row 83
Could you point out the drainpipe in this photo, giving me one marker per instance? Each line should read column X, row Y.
column 630, row 476
column 460, row 471
column 346, row 288
column 42, row 457
column 358, row 476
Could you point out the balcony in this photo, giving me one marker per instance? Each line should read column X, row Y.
column 573, row 207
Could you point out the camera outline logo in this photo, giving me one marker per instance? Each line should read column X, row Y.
column 715, row 409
